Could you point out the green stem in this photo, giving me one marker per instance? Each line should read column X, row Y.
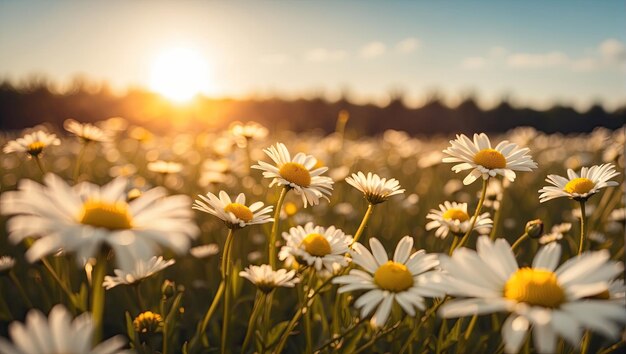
column 40, row 165
column 339, row 337
column 519, row 241
column 476, row 213
column 361, row 228
column 274, row 234
column 81, row 154
column 59, row 281
column 470, row 327
column 307, row 315
column 426, row 316
column 142, row 306
column 256, row 310
column 97, row 297
column 19, row 287
column 376, row 336
column 582, row 228
column 496, row 220
column 584, row 347
column 207, row 317
column 226, row 270
column 455, row 242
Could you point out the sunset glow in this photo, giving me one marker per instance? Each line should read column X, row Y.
column 180, row 74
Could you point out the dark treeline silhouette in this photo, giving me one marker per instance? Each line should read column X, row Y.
column 26, row 105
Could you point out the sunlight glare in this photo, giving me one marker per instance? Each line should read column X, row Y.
column 180, row 74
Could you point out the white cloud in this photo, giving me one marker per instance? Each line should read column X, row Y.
column 275, row 59
column 498, row 52
column 541, row 60
column 612, row 50
column 373, row 49
column 473, row 63
column 407, row 45
column 326, row 55
column 584, row 64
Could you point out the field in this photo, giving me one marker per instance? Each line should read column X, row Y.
column 55, row 261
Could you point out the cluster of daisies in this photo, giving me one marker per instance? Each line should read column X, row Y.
column 97, row 224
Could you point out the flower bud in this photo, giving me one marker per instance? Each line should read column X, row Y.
column 148, row 322
column 168, row 289
column 534, row 228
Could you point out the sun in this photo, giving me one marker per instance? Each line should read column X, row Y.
column 180, row 74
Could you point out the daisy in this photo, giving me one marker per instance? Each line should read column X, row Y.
column 204, row 251
column 143, row 269
column 486, row 161
column 33, row 144
column 165, row 167
column 6, row 264
column 375, row 189
column 249, row 130
column 556, row 233
column 148, row 322
column 297, row 173
column 405, row 280
column 57, row 334
column 551, row 300
column 579, row 187
column 266, row 279
column 316, row 246
column 87, row 132
column 235, row 214
column 452, row 217
column 85, row 218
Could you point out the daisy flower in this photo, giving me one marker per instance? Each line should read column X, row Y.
column 316, row 246
column 87, row 132
column 298, row 173
column 579, row 187
column 235, row 214
column 249, row 130
column 452, row 217
column 556, row 233
column 164, row 167
column 204, row 251
column 551, row 300
column 6, row 264
column 485, row 161
column 405, row 280
column 33, row 144
column 57, row 334
column 375, row 189
column 148, row 322
column 142, row 270
column 86, row 217
column 266, row 279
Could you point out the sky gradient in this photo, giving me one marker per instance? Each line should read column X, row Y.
column 536, row 53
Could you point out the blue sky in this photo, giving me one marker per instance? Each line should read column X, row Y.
column 539, row 53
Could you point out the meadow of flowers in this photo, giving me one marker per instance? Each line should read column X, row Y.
column 115, row 238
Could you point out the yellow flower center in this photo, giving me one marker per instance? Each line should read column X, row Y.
column 579, row 185
column 112, row 216
column 456, row 214
column 316, row 245
column 393, row 276
column 534, row 287
column 35, row 148
column 242, row 212
column 490, row 158
column 148, row 322
column 295, row 173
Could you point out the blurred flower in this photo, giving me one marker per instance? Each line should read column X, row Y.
column 165, row 167
column 205, row 251
column 297, row 174
column 550, row 300
column 618, row 214
column 405, row 280
column 148, row 322
column 597, row 237
column 57, row 334
column 6, row 264
column 33, row 144
column 140, row 134
column 87, row 132
column 576, row 187
column 266, row 279
column 454, row 185
column 316, row 246
column 556, row 233
column 214, row 172
column 125, row 170
column 85, row 217
column 494, row 193
column 486, row 161
column 234, row 214
column 534, row 228
column 453, row 217
column 345, row 209
column 375, row 189
column 142, row 270
column 249, row 130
